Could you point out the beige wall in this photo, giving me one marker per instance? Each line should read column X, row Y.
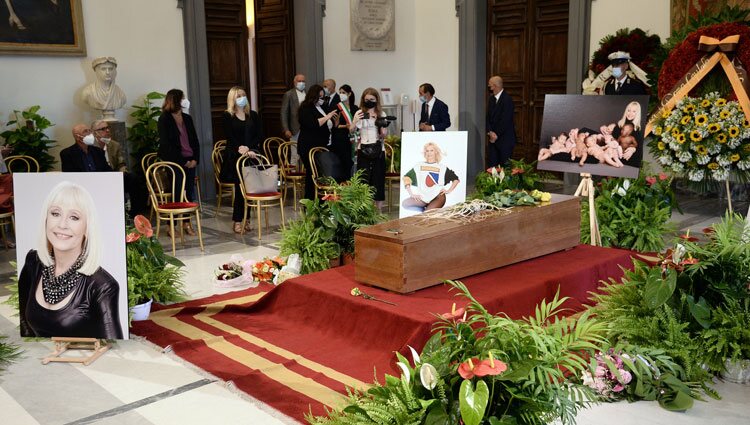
column 608, row 16
column 146, row 38
column 426, row 51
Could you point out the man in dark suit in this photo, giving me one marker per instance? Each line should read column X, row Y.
column 83, row 156
column 620, row 82
column 331, row 95
column 500, row 128
column 434, row 115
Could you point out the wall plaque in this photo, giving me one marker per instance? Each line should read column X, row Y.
column 372, row 24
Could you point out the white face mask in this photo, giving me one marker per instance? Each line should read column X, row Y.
column 422, row 99
column 343, row 97
column 301, row 86
column 241, row 101
column 185, row 104
column 326, row 92
column 319, row 102
column 89, row 139
column 617, row 72
column 105, row 140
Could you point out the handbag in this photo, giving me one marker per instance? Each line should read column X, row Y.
column 261, row 178
column 371, row 150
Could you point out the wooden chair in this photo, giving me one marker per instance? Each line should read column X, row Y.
column 222, row 189
column 271, row 149
column 169, row 200
column 318, row 180
column 290, row 175
column 22, row 163
column 258, row 200
column 392, row 176
column 147, row 160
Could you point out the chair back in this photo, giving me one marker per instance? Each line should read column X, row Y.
column 222, row 143
column 314, row 166
column 243, row 162
column 147, row 160
column 22, row 164
column 217, row 158
column 271, row 149
column 389, row 154
column 285, row 152
column 166, row 182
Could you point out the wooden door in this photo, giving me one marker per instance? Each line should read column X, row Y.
column 527, row 45
column 228, row 65
column 275, row 65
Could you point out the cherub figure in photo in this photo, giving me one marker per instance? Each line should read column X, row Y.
column 580, row 150
column 593, row 149
column 628, row 143
column 559, row 144
column 613, row 149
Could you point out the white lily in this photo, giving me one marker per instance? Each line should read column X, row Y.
column 405, row 370
column 414, row 355
column 428, row 375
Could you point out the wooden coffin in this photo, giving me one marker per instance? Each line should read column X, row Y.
column 412, row 253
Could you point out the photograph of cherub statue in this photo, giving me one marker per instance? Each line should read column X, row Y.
column 600, row 135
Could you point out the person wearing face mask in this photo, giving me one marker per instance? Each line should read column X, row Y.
column 341, row 142
column 623, row 81
column 290, row 108
column 315, row 130
column 370, row 146
column 83, row 155
column 178, row 141
column 244, row 133
column 331, row 96
column 434, row 115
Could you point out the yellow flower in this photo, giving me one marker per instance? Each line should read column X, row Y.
column 675, row 132
column 724, row 114
column 546, row 196
column 747, row 147
column 667, row 129
column 705, row 103
column 666, row 113
column 734, row 131
column 713, row 166
column 695, row 136
column 735, row 157
column 688, row 109
column 680, row 138
column 658, row 131
column 721, row 137
column 745, row 123
column 685, row 120
column 701, row 149
column 721, row 102
column 701, row 119
column 713, row 127
column 661, row 146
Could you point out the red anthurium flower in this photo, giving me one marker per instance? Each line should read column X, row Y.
column 516, row 171
column 689, row 238
column 455, row 313
column 708, row 230
column 466, row 369
column 490, row 367
column 650, row 180
column 489, row 170
column 132, row 237
column 143, row 226
column 331, row 197
column 689, row 261
column 663, row 176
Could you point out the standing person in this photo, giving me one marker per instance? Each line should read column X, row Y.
column 289, row 109
column 500, row 128
column 341, row 138
column 178, row 141
column 244, row 135
column 331, row 96
column 370, row 147
column 315, row 130
column 620, row 82
column 434, row 115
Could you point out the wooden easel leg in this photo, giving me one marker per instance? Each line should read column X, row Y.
column 729, row 195
column 596, row 239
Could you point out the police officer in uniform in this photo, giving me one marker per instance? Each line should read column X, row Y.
column 622, row 81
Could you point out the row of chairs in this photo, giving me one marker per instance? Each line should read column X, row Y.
column 15, row 163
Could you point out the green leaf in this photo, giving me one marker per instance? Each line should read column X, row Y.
column 679, row 403
column 436, row 415
column 473, row 403
column 657, row 290
column 505, row 420
column 700, row 311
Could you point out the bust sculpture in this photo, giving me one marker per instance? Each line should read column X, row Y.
column 104, row 94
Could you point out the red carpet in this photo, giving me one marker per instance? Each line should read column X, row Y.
column 299, row 345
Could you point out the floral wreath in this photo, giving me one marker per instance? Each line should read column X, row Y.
column 686, row 54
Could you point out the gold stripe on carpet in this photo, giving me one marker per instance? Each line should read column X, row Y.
column 168, row 312
column 317, row 367
column 275, row 371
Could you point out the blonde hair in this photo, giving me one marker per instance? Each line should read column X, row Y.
column 68, row 194
column 231, row 96
column 438, row 152
column 636, row 121
column 375, row 93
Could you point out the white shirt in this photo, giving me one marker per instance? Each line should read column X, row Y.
column 368, row 132
column 300, row 95
column 430, row 104
column 497, row 96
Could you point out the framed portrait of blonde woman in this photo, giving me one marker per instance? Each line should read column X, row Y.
column 42, row 27
column 70, row 248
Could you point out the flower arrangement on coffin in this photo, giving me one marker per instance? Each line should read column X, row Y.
column 632, row 213
column 704, row 139
column 517, row 175
column 152, row 274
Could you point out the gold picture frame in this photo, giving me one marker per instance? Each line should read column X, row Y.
column 46, row 28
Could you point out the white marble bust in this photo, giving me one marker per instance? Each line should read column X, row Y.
column 104, row 94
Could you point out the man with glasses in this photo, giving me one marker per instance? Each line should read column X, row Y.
column 111, row 148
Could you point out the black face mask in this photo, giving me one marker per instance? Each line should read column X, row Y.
column 369, row 104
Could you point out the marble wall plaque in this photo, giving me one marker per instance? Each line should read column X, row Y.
column 373, row 24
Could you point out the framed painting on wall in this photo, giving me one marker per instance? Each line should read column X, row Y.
column 42, row 27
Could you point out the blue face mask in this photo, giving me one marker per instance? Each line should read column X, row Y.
column 241, row 101
column 422, row 99
column 617, row 72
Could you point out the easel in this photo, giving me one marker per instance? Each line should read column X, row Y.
column 586, row 188
column 63, row 344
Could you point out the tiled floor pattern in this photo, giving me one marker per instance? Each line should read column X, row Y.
column 136, row 383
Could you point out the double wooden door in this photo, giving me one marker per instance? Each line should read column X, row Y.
column 527, row 45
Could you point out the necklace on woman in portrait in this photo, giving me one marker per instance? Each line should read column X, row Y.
column 55, row 288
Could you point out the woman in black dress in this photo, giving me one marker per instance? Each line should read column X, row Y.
column 315, row 130
column 342, row 143
column 62, row 290
column 244, row 133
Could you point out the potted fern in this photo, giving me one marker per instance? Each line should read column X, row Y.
column 144, row 134
column 26, row 136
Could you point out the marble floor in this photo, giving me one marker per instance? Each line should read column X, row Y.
column 137, row 383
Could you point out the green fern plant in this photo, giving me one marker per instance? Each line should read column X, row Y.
column 144, row 134
column 8, row 353
column 28, row 138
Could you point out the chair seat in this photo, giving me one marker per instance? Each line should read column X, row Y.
column 295, row 174
column 177, row 205
column 264, row 194
column 392, row 175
